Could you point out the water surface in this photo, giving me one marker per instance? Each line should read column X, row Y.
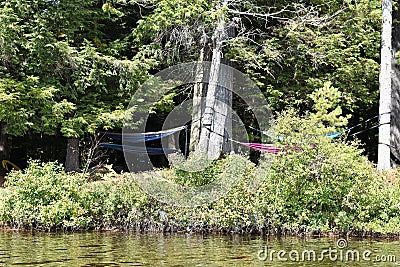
column 133, row 249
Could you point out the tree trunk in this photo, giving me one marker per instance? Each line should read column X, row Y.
column 385, row 87
column 197, row 110
column 227, row 99
column 395, row 118
column 72, row 158
column 216, row 109
column 3, row 151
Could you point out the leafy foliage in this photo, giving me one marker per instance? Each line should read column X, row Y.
column 185, row 172
column 320, row 184
column 338, row 43
column 327, row 102
column 44, row 196
column 69, row 61
column 29, row 106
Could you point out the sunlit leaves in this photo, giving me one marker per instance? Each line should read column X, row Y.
column 28, row 105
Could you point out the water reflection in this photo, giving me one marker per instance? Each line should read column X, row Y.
column 100, row 249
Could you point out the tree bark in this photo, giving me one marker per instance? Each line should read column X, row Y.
column 385, row 87
column 72, row 158
column 227, row 99
column 395, row 121
column 197, row 108
column 216, row 109
column 4, row 155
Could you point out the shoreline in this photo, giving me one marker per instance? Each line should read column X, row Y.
column 287, row 203
column 358, row 235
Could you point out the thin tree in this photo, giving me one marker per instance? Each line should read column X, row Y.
column 385, row 87
column 395, row 108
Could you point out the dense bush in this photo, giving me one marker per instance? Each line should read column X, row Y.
column 325, row 185
column 314, row 184
column 186, row 172
column 43, row 195
column 319, row 185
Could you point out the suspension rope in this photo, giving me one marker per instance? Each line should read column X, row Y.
column 361, row 123
column 370, row 128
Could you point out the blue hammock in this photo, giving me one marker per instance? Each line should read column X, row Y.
column 333, row 135
column 144, row 137
column 140, row 149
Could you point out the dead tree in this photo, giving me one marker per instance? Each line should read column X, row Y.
column 385, row 87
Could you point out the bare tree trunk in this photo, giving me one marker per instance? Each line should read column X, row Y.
column 385, row 87
column 72, row 158
column 215, row 113
column 395, row 118
column 197, row 110
column 3, row 151
column 227, row 99
column 223, row 111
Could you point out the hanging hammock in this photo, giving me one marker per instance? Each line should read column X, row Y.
column 144, row 137
column 141, row 138
column 262, row 147
column 140, row 149
column 333, row 135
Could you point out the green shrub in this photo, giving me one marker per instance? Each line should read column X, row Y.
column 186, row 174
column 381, row 207
column 43, row 195
column 116, row 201
column 321, row 187
column 326, row 184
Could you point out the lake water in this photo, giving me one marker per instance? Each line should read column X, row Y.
column 133, row 249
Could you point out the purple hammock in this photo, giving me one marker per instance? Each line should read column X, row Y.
column 263, row 147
